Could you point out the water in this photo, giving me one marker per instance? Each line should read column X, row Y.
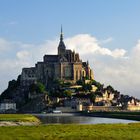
column 74, row 119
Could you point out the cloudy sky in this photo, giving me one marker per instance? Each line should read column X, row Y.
column 105, row 32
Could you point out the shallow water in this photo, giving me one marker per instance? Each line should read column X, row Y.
column 72, row 119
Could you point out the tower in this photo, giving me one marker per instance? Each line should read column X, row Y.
column 61, row 46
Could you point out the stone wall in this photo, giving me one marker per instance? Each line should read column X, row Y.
column 77, row 71
column 133, row 108
column 102, row 108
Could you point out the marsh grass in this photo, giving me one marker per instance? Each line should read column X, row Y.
column 67, row 131
column 18, row 118
column 72, row 132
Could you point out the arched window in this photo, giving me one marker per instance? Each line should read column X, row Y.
column 83, row 74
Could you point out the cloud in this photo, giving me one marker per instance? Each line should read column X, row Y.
column 113, row 67
column 4, row 45
column 87, row 44
column 122, row 73
column 108, row 40
column 23, row 54
column 118, row 53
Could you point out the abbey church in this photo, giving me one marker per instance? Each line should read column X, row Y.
column 66, row 65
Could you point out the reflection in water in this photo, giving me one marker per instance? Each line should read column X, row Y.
column 79, row 120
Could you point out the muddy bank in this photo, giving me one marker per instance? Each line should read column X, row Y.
column 12, row 123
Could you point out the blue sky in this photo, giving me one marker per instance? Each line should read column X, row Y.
column 107, row 31
column 34, row 21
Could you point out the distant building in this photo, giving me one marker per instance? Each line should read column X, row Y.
column 66, row 65
column 80, row 100
column 7, row 105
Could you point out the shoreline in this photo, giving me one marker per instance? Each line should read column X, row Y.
column 13, row 123
column 116, row 115
column 33, row 119
column 18, row 120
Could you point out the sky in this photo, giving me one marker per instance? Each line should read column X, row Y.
column 105, row 32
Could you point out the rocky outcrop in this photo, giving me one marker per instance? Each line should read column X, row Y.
column 35, row 105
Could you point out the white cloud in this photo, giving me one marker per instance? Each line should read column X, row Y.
column 4, row 45
column 108, row 40
column 23, row 54
column 110, row 66
column 87, row 44
column 118, row 53
column 122, row 73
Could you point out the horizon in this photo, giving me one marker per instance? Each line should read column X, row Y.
column 105, row 33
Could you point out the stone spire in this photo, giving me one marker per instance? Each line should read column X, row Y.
column 61, row 35
column 61, row 46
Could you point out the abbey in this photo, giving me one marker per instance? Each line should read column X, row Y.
column 66, row 65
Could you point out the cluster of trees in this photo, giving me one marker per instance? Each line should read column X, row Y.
column 58, row 89
column 60, row 93
column 37, row 87
column 88, row 86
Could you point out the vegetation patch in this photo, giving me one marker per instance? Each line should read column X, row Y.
column 18, row 118
column 72, row 132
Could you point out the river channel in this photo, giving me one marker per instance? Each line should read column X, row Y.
column 66, row 118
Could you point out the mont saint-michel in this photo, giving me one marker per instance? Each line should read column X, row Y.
column 79, row 82
column 66, row 66
column 62, row 82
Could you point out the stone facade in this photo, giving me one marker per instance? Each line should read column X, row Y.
column 6, row 105
column 66, row 65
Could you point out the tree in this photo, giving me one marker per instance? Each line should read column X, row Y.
column 110, row 88
column 41, row 87
column 67, row 93
column 92, row 97
column 87, row 87
column 97, row 84
column 38, row 87
column 80, row 82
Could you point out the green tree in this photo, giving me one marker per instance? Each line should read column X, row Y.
column 98, row 85
column 37, row 87
column 80, row 82
column 92, row 97
column 87, row 87
column 41, row 87
column 67, row 93
column 110, row 88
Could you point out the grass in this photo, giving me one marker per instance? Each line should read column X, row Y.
column 18, row 118
column 72, row 132
column 69, row 131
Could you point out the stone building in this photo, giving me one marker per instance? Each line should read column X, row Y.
column 7, row 105
column 66, row 65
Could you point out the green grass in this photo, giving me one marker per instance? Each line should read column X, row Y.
column 18, row 118
column 72, row 132
column 69, row 131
